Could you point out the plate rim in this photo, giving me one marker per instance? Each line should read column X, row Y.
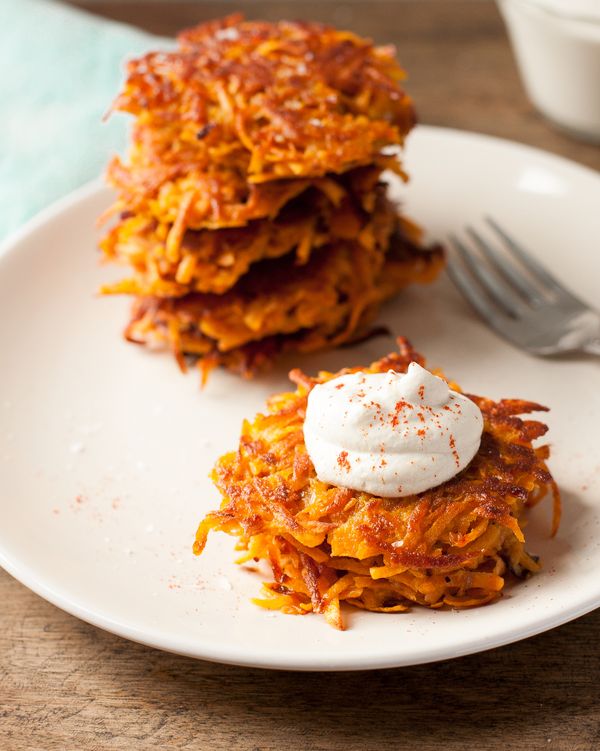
column 257, row 657
column 267, row 659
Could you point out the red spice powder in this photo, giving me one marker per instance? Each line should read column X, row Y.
column 398, row 407
column 452, row 443
column 342, row 461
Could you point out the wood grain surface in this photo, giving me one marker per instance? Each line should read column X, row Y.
column 67, row 685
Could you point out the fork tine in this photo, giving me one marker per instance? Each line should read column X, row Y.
column 542, row 275
column 495, row 289
column 507, row 269
column 470, row 291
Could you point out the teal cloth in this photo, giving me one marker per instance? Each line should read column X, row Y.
column 59, row 71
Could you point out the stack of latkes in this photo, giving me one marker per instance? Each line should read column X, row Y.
column 251, row 208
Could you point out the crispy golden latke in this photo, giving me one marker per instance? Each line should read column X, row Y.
column 281, row 306
column 218, row 194
column 169, row 265
column 243, row 103
column 286, row 99
column 452, row 546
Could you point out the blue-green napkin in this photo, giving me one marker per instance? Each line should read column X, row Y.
column 59, row 71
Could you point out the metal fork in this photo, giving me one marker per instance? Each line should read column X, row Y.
column 519, row 298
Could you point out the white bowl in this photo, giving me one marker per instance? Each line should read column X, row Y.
column 557, row 46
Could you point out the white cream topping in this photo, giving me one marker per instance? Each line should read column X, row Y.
column 390, row 434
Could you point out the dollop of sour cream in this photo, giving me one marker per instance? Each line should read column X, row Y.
column 390, row 434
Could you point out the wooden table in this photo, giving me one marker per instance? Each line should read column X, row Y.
column 67, row 685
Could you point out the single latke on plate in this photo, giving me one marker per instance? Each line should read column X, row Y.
column 454, row 545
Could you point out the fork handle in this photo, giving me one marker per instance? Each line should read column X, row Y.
column 592, row 347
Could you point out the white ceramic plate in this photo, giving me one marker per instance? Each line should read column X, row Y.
column 105, row 447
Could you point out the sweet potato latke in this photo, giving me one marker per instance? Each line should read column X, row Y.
column 213, row 261
column 273, row 99
column 280, row 305
column 258, row 151
column 452, row 546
